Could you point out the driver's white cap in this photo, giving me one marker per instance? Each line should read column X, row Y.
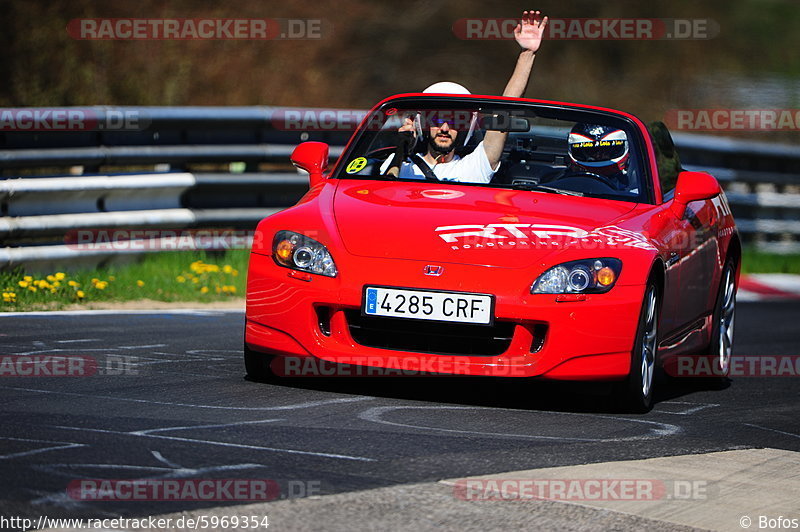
column 447, row 87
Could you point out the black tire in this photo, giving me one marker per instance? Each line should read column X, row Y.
column 635, row 394
column 720, row 349
column 257, row 365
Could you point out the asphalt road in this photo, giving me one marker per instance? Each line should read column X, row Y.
column 168, row 400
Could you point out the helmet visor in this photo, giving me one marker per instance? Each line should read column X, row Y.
column 595, row 151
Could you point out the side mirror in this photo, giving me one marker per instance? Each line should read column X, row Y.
column 693, row 186
column 313, row 158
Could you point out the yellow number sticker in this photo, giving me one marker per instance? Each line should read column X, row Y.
column 356, row 165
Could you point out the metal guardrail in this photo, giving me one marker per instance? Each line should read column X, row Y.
column 197, row 146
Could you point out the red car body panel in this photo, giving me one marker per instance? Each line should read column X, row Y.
column 385, row 233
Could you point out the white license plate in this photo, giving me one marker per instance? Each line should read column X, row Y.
column 431, row 305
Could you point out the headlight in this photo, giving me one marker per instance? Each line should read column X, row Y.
column 590, row 276
column 300, row 252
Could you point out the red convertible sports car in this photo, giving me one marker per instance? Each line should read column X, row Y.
column 480, row 235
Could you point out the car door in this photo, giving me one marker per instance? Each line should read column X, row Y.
column 692, row 243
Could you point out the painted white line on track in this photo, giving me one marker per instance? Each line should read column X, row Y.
column 657, row 430
column 309, row 404
column 59, row 445
column 221, row 443
column 216, row 426
column 772, row 430
column 689, row 410
column 158, row 456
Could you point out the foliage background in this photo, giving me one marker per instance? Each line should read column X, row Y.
column 378, row 48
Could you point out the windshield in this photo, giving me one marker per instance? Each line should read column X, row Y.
column 481, row 142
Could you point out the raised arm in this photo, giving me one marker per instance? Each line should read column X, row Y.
column 528, row 35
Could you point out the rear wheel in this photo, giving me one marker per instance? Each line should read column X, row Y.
column 258, row 366
column 635, row 394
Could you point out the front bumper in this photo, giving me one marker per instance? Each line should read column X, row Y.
column 586, row 339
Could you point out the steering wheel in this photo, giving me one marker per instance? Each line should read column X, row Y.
column 414, row 159
column 603, row 179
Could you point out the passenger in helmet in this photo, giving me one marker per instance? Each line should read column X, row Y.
column 444, row 132
column 601, row 150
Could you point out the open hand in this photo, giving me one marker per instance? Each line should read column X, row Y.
column 529, row 32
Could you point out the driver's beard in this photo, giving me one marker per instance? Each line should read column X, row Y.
column 437, row 150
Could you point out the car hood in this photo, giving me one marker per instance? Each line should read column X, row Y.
column 465, row 224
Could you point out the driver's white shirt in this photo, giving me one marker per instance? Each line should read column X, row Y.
column 472, row 168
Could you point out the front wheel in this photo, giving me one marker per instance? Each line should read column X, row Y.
column 635, row 394
column 258, row 365
column 721, row 347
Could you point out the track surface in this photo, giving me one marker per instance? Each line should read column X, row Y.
column 170, row 401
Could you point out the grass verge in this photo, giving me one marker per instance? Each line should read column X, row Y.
column 754, row 261
column 201, row 277
column 169, row 276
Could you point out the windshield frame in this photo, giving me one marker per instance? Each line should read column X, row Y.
column 543, row 109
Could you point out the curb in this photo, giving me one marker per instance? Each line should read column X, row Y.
column 769, row 287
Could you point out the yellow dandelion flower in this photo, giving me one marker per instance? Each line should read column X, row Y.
column 227, row 268
column 73, row 284
column 27, row 278
column 101, row 285
column 51, row 278
column 112, row 278
column 232, row 289
column 195, row 280
column 56, row 284
column 95, row 280
column 23, row 284
column 53, row 290
column 180, row 279
column 218, row 289
column 32, row 288
column 60, row 276
column 80, row 294
column 235, row 273
column 204, row 290
column 225, row 289
column 140, row 283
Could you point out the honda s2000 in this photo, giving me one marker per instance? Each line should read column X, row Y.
column 494, row 236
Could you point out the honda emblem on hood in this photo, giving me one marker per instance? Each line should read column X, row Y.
column 433, row 269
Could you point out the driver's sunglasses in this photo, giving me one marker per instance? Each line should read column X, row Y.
column 454, row 119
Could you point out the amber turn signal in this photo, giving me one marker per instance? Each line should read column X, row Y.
column 605, row 276
column 284, row 250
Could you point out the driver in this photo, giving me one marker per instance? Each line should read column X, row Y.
column 440, row 158
column 601, row 150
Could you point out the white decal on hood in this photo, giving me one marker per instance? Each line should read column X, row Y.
column 511, row 236
column 455, row 233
